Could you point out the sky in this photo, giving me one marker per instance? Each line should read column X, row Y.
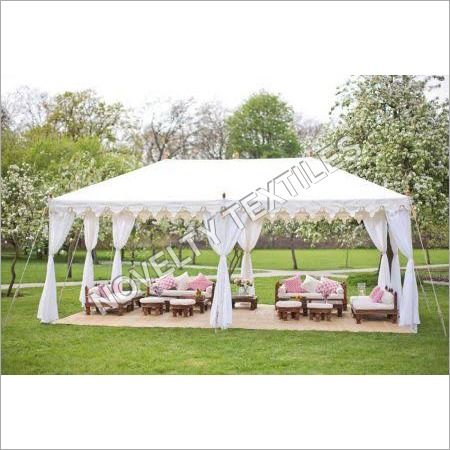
column 136, row 52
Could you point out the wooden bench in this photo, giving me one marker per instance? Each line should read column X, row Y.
column 305, row 296
column 118, row 305
column 200, row 299
column 366, row 308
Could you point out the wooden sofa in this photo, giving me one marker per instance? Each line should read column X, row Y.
column 363, row 306
column 203, row 299
column 115, row 303
column 339, row 301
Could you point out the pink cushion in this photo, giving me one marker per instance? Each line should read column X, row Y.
column 199, row 282
column 376, row 294
column 294, row 285
column 167, row 283
column 326, row 287
column 155, row 289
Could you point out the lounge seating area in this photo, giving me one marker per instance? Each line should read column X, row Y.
column 263, row 318
column 311, row 290
column 177, row 293
column 199, row 288
column 321, row 300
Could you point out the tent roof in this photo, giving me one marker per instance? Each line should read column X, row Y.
column 186, row 188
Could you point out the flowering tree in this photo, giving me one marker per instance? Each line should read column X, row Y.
column 23, row 201
column 390, row 131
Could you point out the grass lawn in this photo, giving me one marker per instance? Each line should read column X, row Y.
column 308, row 259
column 36, row 269
column 31, row 348
column 318, row 259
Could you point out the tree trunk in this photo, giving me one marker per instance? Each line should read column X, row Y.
column 389, row 252
column 70, row 251
column 122, row 254
column 180, row 252
column 95, row 257
column 132, row 257
column 237, row 257
column 194, row 258
column 13, row 270
column 294, row 258
column 427, row 254
column 346, row 257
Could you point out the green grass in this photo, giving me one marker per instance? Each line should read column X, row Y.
column 318, row 259
column 36, row 269
column 31, row 348
column 308, row 259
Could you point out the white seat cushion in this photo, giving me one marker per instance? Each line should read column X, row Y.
column 96, row 298
column 316, row 305
column 119, row 298
column 151, row 301
column 330, row 301
column 182, row 302
column 316, row 296
column 364, row 303
column 289, row 295
column 312, row 296
column 288, row 304
column 189, row 293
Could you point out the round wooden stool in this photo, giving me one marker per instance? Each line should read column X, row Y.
column 182, row 307
column 319, row 311
column 286, row 307
column 150, row 304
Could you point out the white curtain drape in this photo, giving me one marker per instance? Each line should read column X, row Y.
column 376, row 227
column 396, row 278
column 400, row 227
column 58, row 229
column 91, row 227
column 122, row 225
column 247, row 240
column 227, row 233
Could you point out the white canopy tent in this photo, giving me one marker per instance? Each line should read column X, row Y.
column 233, row 197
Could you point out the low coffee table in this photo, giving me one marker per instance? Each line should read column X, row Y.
column 320, row 311
column 150, row 304
column 182, row 306
column 252, row 299
column 286, row 307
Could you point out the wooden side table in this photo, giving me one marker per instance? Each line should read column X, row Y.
column 252, row 299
